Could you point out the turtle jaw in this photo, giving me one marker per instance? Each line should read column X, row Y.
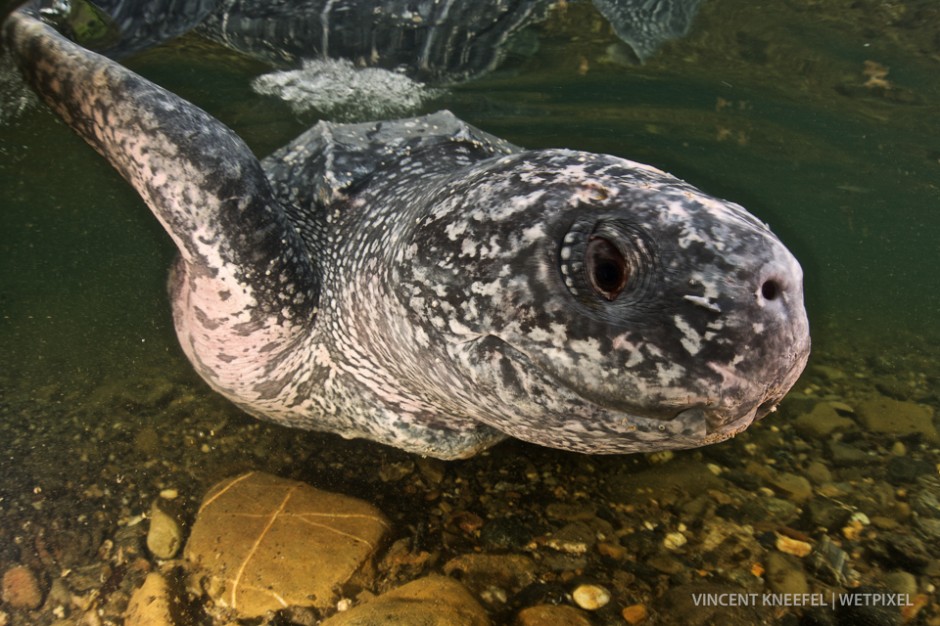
column 534, row 403
column 531, row 403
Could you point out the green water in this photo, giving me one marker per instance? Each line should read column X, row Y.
column 777, row 107
column 766, row 105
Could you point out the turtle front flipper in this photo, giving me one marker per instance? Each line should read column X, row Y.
column 245, row 290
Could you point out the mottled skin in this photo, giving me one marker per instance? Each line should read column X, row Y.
column 426, row 285
column 440, row 41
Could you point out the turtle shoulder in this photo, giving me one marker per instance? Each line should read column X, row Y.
column 329, row 162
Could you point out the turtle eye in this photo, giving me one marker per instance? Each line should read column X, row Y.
column 606, row 267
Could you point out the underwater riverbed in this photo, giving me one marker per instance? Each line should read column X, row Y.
column 819, row 116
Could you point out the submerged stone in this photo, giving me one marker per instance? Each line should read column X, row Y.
column 263, row 543
column 431, row 601
column 150, row 604
column 882, row 414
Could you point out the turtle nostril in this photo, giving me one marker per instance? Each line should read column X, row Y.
column 770, row 290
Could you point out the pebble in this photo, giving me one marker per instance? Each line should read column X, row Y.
column 550, row 615
column 788, row 545
column 484, row 571
column 905, row 470
column 821, row 422
column 573, row 538
column 829, row 562
column 796, row 488
column 881, row 414
column 785, row 575
column 590, row 597
column 165, row 536
column 150, row 604
column 674, row 541
column 843, row 454
column 430, row 601
column 903, row 550
column 635, row 613
column 818, row 473
column 21, row 589
column 901, row 582
column 824, row 513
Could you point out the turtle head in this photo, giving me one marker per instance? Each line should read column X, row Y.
column 606, row 306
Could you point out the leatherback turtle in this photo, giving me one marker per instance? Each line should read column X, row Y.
column 356, row 59
column 441, row 41
column 424, row 284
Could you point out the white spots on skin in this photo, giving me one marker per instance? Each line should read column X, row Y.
column 456, row 229
column 460, row 330
column 669, row 373
column 635, row 360
column 588, row 348
column 487, row 290
column 703, row 302
column 691, row 339
column 468, row 248
column 533, row 233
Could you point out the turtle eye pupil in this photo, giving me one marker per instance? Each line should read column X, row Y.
column 606, row 268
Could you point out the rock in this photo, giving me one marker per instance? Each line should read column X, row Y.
column 612, row 550
column 785, row 575
column 843, row 454
column 926, row 501
column 165, row 536
column 725, row 541
column 682, row 476
column 150, row 604
column 262, row 543
column 570, row 512
column 929, row 528
column 744, row 479
column 480, row 571
column 550, row 615
column 901, row 582
column 768, row 508
column 881, row 414
column 21, row 588
column 635, row 613
column 829, row 372
column 789, row 545
column 590, row 597
column 904, row 551
column 674, row 540
column 821, row 422
column 829, row 562
column 818, row 473
column 433, row 470
column 824, row 513
column 505, row 534
column 573, row 538
column 431, row 601
column 666, row 564
column 796, row 488
column 905, row 470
